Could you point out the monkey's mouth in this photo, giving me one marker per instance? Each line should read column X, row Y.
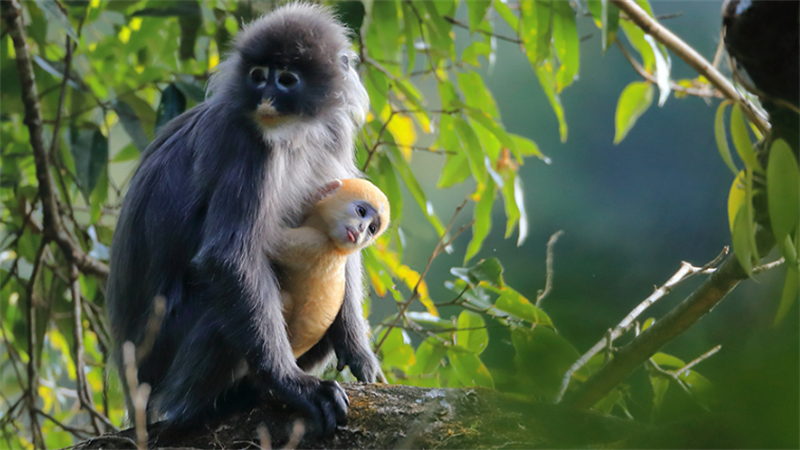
column 268, row 115
column 353, row 237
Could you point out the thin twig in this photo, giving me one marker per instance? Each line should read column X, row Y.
column 84, row 393
column 705, row 93
column 684, row 273
column 440, row 246
column 698, row 360
column 424, row 41
column 548, row 284
column 52, row 223
column 32, row 389
column 712, row 291
column 460, row 24
column 79, row 433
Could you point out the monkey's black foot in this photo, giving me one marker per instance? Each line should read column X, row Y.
column 363, row 364
column 323, row 402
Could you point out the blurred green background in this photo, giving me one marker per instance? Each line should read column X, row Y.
column 630, row 214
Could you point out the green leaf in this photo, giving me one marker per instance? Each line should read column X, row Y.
column 546, row 78
column 722, row 139
column 543, row 356
column 385, row 20
column 89, row 148
column 191, row 89
column 476, row 94
column 401, row 166
column 472, row 149
column 609, row 23
column 455, row 171
column 491, row 124
column 483, row 220
column 514, row 303
column 53, row 14
column 99, row 196
column 469, row 369
column 505, row 12
column 702, row 390
column 411, row 31
column 660, row 385
column 477, row 12
column 488, row 270
column 537, row 29
column 783, row 191
column 143, row 111
column 128, row 153
column 428, row 357
column 742, row 230
column 566, row 44
column 472, row 334
column 474, row 50
column 131, row 124
column 633, row 102
column 665, row 360
column 351, row 13
column 636, row 37
column 377, row 85
column 741, row 140
column 791, row 287
column 428, row 319
column 527, row 147
column 172, row 104
column 396, row 349
column 607, row 403
column 386, row 180
column 437, row 31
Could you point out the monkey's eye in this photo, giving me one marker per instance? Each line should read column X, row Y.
column 372, row 228
column 361, row 211
column 257, row 76
column 288, row 79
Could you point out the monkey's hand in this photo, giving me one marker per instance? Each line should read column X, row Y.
column 323, row 402
column 362, row 362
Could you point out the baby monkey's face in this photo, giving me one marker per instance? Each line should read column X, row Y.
column 357, row 226
column 354, row 213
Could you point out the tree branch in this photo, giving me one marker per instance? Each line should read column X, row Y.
column 679, row 319
column 639, row 16
column 53, row 226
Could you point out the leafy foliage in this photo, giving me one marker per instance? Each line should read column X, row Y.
column 136, row 65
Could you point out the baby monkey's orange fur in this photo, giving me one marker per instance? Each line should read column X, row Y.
column 350, row 216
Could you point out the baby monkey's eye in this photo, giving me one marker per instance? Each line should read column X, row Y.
column 372, row 228
column 361, row 211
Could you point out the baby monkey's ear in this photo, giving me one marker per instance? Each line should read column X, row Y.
column 326, row 190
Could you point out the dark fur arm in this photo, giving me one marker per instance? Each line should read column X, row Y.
column 349, row 334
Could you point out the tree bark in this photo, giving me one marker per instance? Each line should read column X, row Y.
column 384, row 416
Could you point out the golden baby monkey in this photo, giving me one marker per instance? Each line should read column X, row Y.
column 350, row 216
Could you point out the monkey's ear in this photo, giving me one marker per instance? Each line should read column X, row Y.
column 326, row 190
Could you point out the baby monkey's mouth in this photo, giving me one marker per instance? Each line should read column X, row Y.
column 352, row 236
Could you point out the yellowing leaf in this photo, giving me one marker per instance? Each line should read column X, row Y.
column 402, row 128
column 633, row 102
column 736, row 198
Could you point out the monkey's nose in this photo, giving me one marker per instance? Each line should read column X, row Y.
column 361, row 227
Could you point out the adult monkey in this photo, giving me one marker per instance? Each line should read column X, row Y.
column 212, row 188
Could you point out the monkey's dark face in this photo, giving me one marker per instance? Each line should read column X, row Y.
column 291, row 66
